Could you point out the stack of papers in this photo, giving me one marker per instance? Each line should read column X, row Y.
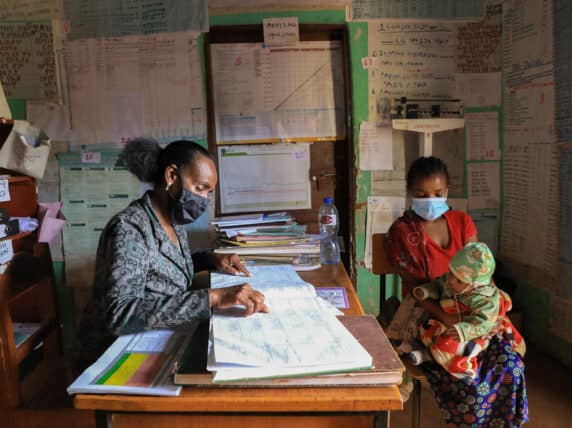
column 268, row 239
column 251, row 219
column 300, row 336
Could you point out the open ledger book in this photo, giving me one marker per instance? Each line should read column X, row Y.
column 300, row 337
column 387, row 368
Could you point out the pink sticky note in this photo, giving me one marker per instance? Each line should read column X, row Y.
column 51, row 220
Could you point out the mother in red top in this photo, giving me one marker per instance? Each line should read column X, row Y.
column 420, row 245
column 422, row 242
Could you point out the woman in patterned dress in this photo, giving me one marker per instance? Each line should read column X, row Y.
column 144, row 266
column 420, row 245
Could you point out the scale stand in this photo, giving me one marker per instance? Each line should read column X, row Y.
column 426, row 128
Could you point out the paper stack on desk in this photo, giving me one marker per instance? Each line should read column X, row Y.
column 268, row 239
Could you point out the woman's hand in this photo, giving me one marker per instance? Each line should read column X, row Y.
column 435, row 310
column 243, row 294
column 229, row 263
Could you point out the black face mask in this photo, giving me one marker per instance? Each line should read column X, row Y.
column 188, row 207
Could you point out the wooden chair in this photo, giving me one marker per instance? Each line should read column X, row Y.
column 382, row 267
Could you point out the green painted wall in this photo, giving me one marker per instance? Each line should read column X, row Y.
column 18, row 108
column 367, row 283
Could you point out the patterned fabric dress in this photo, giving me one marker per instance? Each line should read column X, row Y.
column 142, row 282
column 497, row 396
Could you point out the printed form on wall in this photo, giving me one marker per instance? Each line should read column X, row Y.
column 375, row 147
column 278, row 93
column 264, row 177
column 563, row 68
column 528, row 70
column 565, row 222
column 482, row 135
column 92, row 193
column 530, row 205
column 137, row 86
column 27, row 61
column 529, row 229
column 479, row 89
column 484, row 185
column 392, row 182
column 87, row 19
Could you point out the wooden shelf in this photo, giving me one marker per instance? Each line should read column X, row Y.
column 27, row 295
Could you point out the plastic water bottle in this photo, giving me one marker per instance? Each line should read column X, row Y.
column 329, row 226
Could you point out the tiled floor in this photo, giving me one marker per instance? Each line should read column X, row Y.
column 549, row 387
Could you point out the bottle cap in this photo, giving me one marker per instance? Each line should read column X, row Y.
column 328, row 200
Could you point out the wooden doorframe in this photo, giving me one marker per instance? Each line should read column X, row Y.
column 345, row 179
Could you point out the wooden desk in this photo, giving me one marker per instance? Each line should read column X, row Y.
column 255, row 407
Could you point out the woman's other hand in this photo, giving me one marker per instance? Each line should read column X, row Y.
column 229, row 263
column 243, row 294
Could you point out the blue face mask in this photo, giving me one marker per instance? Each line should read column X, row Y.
column 429, row 208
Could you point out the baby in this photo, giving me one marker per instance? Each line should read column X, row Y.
column 470, row 306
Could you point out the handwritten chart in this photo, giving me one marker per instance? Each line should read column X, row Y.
column 27, row 63
column 87, row 19
column 137, row 86
column 415, row 60
column 29, row 10
column 278, row 93
column 422, row 9
column 480, row 43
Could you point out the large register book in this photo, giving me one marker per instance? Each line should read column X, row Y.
column 387, row 368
